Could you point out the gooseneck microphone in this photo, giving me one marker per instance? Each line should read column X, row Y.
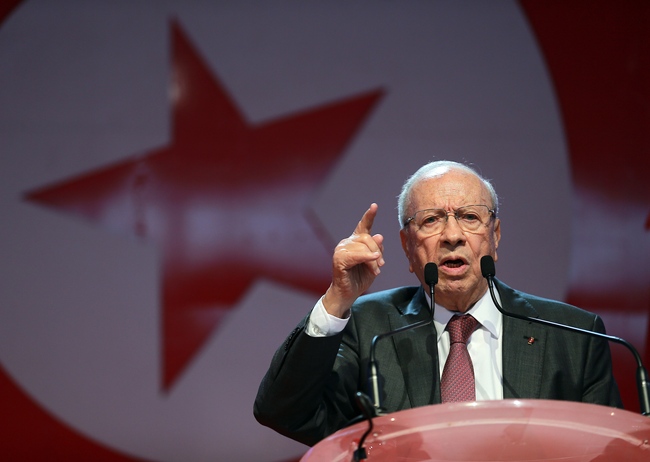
column 373, row 409
column 431, row 279
column 488, row 271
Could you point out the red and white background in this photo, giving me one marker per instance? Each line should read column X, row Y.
column 174, row 175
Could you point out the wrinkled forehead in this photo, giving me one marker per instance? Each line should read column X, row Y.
column 448, row 188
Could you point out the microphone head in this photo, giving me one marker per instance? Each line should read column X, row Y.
column 431, row 274
column 487, row 266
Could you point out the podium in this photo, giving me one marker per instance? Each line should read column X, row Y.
column 504, row 430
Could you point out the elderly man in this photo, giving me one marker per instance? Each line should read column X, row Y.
column 448, row 214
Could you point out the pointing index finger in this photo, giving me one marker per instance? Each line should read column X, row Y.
column 365, row 225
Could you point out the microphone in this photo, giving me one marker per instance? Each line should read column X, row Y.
column 431, row 279
column 488, row 271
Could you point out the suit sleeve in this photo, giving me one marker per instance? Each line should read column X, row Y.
column 599, row 384
column 306, row 393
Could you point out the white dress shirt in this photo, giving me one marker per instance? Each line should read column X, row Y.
column 484, row 345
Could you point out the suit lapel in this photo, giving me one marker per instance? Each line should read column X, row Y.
column 524, row 344
column 417, row 352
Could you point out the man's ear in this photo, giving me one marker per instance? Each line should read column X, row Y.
column 403, row 235
column 496, row 236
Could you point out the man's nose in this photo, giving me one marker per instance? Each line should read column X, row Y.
column 452, row 232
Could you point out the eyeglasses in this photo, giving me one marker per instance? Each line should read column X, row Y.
column 470, row 218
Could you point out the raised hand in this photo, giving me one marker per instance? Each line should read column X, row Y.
column 355, row 265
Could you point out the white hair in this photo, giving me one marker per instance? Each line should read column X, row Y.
column 424, row 171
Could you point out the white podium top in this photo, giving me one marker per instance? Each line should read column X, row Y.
column 506, row 430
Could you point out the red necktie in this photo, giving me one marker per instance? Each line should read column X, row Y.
column 457, row 383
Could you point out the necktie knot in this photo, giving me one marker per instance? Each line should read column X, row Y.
column 460, row 328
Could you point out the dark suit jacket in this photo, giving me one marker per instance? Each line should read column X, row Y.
column 308, row 391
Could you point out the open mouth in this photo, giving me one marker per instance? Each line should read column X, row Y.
column 453, row 263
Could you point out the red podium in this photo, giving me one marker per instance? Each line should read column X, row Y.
column 507, row 430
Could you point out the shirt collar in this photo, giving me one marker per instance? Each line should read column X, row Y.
column 484, row 311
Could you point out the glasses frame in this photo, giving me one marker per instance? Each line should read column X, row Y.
column 491, row 212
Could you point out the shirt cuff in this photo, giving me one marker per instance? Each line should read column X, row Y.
column 323, row 324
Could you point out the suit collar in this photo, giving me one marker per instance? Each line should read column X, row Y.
column 416, row 304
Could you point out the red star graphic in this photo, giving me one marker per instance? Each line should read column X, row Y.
column 225, row 201
column 604, row 108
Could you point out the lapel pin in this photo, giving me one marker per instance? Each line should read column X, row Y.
column 531, row 340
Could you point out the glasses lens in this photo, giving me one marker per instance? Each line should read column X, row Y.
column 471, row 218
column 431, row 221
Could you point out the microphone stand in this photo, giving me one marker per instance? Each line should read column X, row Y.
column 488, row 270
column 374, row 409
column 431, row 279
